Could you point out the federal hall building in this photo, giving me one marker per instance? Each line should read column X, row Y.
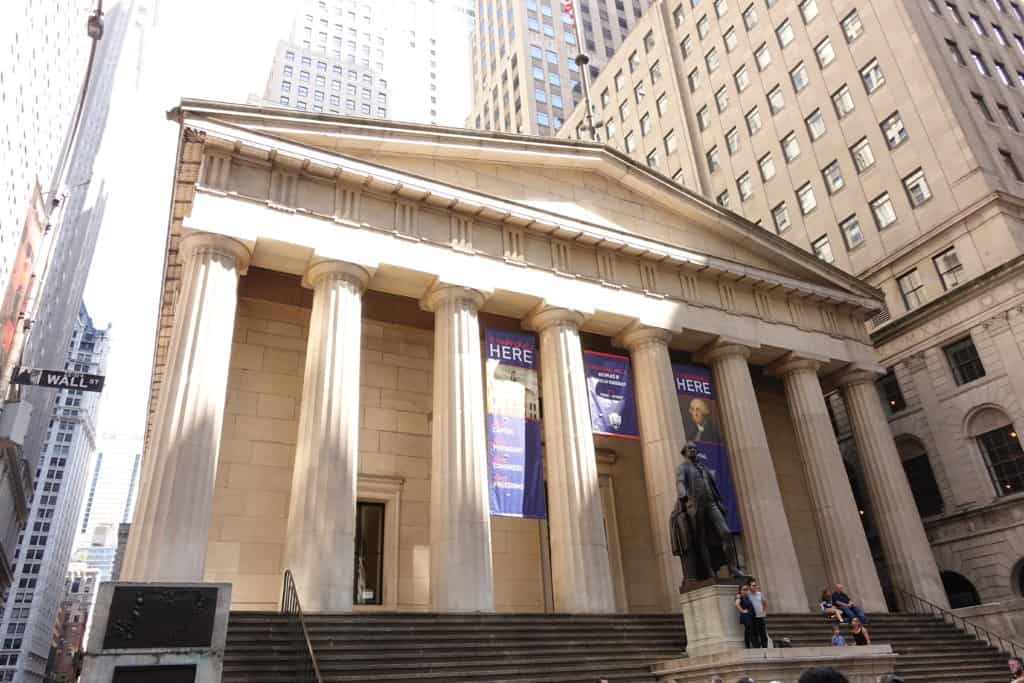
column 318, row 395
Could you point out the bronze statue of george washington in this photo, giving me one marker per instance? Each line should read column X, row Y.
column 701, row 538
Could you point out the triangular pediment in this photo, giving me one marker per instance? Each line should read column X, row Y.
column 593, row 192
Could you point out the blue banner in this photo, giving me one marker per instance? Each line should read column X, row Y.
column 514, row 467
column 696, row 392
column 610, row 388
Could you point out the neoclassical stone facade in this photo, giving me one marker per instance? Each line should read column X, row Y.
column 326, row 286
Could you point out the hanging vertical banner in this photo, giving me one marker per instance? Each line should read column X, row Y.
column 696, row 392
column 610, row 387
column 514, row 465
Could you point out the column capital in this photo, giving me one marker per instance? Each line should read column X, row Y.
column 340, row 269
column 440, row 293
column 793, row 362
column 855, row 374
column 543, row 316
column 212, row 242
column 637, row 335
column 723, row 348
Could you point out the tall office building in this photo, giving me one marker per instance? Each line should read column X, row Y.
column 112, row 482
column 48, row 55
column 524, row 58
column 885, row 137
column 76, row 605
column 396, row 59
column 41, row 558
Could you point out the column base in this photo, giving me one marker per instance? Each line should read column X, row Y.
column 142, row 630
column 712, row 622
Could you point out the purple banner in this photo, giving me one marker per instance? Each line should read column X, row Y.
column 514, row 467
column 610, row 388
column 696, row 392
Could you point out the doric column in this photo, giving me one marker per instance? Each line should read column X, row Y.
column 580, row 571
column 904, row 542
column 171, row 525
column 661, row 438
column 461, row 572
column 320, row 545
column 840, row 531
column 771, row 556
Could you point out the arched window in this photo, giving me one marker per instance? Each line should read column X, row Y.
column 959, row 590
column 999, row 443
column 920, row 476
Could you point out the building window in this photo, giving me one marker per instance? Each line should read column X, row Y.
column 731, row 41
column 1005, row 458
column 889, row 389
column 649, row 41
column 624, row 110
column 704, row 118
column 954, row 52
column 368, row 584
column 712, row 157
column 652, row 159
column 750, row 17
column 775, row 100
column 833, row 176
column 852, row 26
column 645, row 124
column 1003, row 74
column 979, row 101
column 798, row 76
column 784, row 33
column 979, row 64
column 979, row 28
column 763, row 57
column 711, row 60
column 703, row 27
column 655, row 72
column 911, row 289
column 732, row 141
column 670, row 142
column 745, row 186
column 954, row 12
column 815, row 124
column 661, row 104
column 630, row 141
column 677, row 16
column 1008, row 117
column 822, row 248
column 964, row 361
column 894, row 131
column 686, row 46
column 790, row 147
column 767, row 166
column 949, row 268
column 842, row 100
column 722, row 98
column 693, row 80
column 863, row 157
column 723, row 199
column 883, row 211
column 805, row 198
column 809, row 10
column 852, row 234
column 742, row 78
column 871, row 74
column 917, row 188
column 1011, row 165
column 754, row 123
column 780, row 217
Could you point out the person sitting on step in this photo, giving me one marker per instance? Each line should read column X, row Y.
column 828, row 609
column 844, row 602
column 860, row 633
column 837, row 638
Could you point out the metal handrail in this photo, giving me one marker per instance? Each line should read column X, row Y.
column 308, row 669
column 1005, row 645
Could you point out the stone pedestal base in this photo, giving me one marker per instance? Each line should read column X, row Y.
column 860, row 664
column 712, row 622
column 172, row 632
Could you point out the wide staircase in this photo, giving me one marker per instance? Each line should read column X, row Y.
column 262, row 647
column 929, row 648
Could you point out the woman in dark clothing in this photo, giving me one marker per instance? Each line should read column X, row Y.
column 860, row 633
column 746, row 610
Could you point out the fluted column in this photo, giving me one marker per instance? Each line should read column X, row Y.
column 320, row 545
column 904, row 542
column 840, row 531
column 171, row 525
column 580, row 571
column 461, row 572
column 661, row 438
column 771, row 556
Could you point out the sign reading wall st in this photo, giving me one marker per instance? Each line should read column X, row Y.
column 58, row 379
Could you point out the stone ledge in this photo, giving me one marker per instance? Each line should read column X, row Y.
column 860, row 664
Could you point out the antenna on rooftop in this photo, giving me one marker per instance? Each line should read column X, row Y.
column 582, row 61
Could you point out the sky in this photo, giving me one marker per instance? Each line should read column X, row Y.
column 210, row 49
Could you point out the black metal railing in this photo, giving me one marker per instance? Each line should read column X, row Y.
column 306, row 668
column 915, row 603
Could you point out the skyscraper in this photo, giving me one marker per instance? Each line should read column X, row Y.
column 397, row 59
column 525, row 75
column 885, row 138
column 41, row 558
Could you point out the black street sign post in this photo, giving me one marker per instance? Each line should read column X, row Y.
column 59, row 379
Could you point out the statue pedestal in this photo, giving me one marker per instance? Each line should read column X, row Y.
column 712, row 620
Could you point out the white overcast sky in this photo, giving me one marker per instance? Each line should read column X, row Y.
column 211, row 49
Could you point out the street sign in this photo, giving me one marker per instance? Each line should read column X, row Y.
column 59, row 379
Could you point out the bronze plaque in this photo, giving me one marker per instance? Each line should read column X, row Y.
column 155, row 674
column 145, row 617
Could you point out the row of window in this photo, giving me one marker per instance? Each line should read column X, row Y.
column 981, row 65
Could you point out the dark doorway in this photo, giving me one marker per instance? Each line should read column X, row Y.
column 959, row 590
column 369, row 555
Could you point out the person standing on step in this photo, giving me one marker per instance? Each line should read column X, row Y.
column 844, row 602
column 837, row 638
column 760, row 603
column 746, row 610
column 860, row 633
